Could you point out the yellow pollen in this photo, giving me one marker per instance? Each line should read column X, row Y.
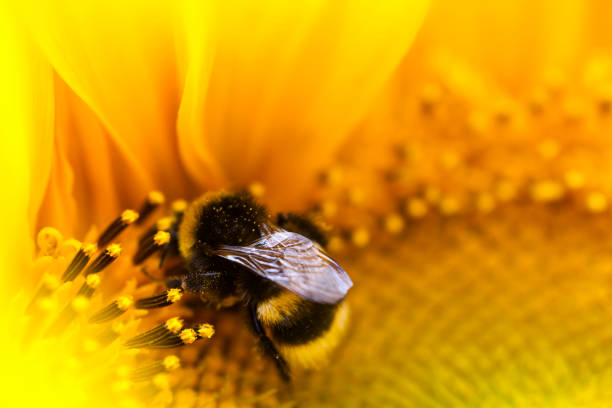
column 80, row 303
column 360, row 237
column 432, row 194
column 449, row 206
column 394, row 223
column 156, row 197
column 416, row 208
column 118, row 327
column 356, row 196
column 329, row 208
column 174, row 324
column 596, row 202
column 161, row 238
column 124, row 302
column 574, row 180
column 113, row 250
column 122, row 386
column 188, row 336
column 257, row 189
column 164, row 224
column 48, row 240
column 47, row 304
column 179, row 205
column 92, row 280
column 174, row 295
column 69, row 248
column 547, row 191
column 51, row 281
column 505, row 191
column 129, row 216
column 90, row 249
column 206, row 330
column 171, row 363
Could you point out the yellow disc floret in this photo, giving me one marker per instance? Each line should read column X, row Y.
column 174, row 295
column 129, row 216
column 174, row 324
column 206, row 330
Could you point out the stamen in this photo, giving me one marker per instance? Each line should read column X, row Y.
column 112, row 311
column 79, row 261
column 116, row 227
column 179, row 206
column 110, row 334
column 188, row 336
column 159, row 337
column 205, row 330
column 154, row 200
column 168, row 364
column 150, row 245
column 104, row 259
column 48, row 240
column 49, row 284
column 162, row 300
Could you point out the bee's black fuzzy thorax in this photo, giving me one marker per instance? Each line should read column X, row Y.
column 232, row 219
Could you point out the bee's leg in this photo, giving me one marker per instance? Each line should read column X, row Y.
column 266, row 344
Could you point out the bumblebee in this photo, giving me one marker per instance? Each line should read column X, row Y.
column 233, row 252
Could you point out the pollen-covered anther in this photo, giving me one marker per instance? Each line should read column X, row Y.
column 174, row 324
column 574, row 180
column 257, row 189
column 178, row 206
column 168, row 364
column 547, row 191
column 188, row 336
column 154, row 200
column 126, row 218
column 206, row 330
column 360, row 237
column 416, row 208
column 596, row 202
column 92, row 281
column 48, row 240
column 161, row 300
column 149, row 245
column 79, row 261
column 393, row 223
column 110, row 254
column 162, row 336
column 114, row 310
column 171, row 363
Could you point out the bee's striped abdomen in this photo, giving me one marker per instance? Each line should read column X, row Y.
column 304, row 331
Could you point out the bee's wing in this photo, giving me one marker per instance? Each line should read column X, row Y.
column 293, row 262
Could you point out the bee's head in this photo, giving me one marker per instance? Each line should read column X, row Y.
column 221, row 219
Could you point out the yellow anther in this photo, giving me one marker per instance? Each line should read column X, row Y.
column 596, row 202
column 80, row 303
column 450, row 205
column 416, row 208
column 161, row 381
column 122, row 386
column 206, row 330
column 161, row 238
column 113, row 250
column 48, row 240
column 574, row 180
column 450, row 160
column 156, row 197
column 174, row 324
column 124, row 302
column 69, row 248
column 329, row 208
column 335, row 244
column 257, row 189
column 188, row 336
column 333, row 176
column 547, row 191
column 92, row 280
column 171, row 363
column 394, row 223
column 118, row 327
column 51, row 281
column 47, row 304
column 360, row 237
column 129, row 216
column 549, row 149
column 485, row 203
column 179, row 205
column 90, row 249
column 356, row 196
column 174, row 295
column 164, row 224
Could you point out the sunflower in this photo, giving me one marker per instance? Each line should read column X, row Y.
column 462, row 172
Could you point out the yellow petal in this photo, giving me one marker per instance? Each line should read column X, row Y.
column 274, row 90
column 119, row 58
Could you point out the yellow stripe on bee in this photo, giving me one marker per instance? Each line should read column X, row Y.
column 315, row 353
column 277, row 308
column 189, row 224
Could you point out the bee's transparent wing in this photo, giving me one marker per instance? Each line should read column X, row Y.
column 294, row 262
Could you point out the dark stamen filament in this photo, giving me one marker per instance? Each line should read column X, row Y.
column 150, row 245
column 117, row 226
column 154, row 200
